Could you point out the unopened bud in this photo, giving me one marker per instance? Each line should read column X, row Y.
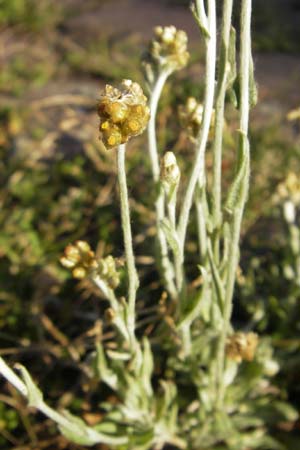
column 169, row 171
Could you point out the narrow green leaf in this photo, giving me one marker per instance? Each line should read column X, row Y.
column 35, row 396
column 201, row 22
column 171, row 236
column 253, row 94
column 232, row 58
column 239, row 186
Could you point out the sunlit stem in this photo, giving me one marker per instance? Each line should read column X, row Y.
column 219, row 123
column 133, row 281
column 166, row 266
column 198, row 172
column 233, row 256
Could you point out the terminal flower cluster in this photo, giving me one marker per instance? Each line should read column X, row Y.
column 191, row 116
column 168, row 49
column 123, row 113
column 107, row 271
column 81, row 260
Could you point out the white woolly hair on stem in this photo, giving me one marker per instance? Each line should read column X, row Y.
column 233, row 256
column 167, row 268
column 198, row 172
column 219, row 121
column 133, row 281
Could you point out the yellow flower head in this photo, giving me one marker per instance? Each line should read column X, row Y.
column 168, row 49
column 191, row 116
column 80, row 259
column 123, row 113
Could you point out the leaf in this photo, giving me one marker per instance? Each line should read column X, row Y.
column 197, row 304
column 286, row 411
column 217, row 280
column 232, row 58
column 171, row 235
column 81, row 436
column 253, row 94
column 86, row 435
column 239, row 187
column 147, row 367
column 35, row 396
column 102, row 369
column 119, row 356
column 201, row 21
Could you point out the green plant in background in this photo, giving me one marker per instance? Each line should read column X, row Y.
column 202, row 384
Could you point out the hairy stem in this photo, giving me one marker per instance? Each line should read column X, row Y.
column 133, row 281
column 233, row 257
column 198, row 172
column 166, row 266
column 219, row 122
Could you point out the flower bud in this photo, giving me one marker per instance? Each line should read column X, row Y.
column 191, row 116
column 169, row 170
column 107, row 271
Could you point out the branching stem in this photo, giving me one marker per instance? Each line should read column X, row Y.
column 166, row 266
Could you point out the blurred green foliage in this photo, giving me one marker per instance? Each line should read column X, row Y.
column 30, row 14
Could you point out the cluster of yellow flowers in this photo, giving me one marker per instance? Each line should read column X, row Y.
column 241, row 346
column 123, row 113
column 191, row 116
column 81, row 260
column 169, row 48
column 107, row 271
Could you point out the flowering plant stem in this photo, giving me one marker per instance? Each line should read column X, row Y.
column 237, row 213
column 219, row 121
column 198, row 172
column 33, row 395
column 133, row 281
column 166, row 266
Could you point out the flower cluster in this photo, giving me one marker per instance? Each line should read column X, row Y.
column 107, row 271
column 123, row 113
column 191, row 116
column 241, row 346
column 168, row 49
column 80, row 259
